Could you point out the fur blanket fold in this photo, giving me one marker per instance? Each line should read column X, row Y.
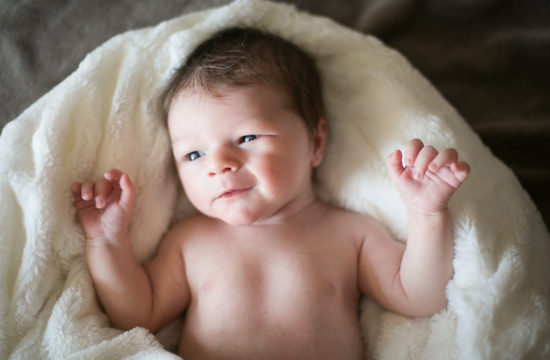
column 106, row 114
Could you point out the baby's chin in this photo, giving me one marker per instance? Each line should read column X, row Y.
column 239, row 218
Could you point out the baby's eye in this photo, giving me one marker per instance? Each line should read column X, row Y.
column 248, row 138
column 192, row 156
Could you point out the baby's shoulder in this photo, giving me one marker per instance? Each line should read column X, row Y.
column 193, row 227
column 359, row 223
column 347, row 216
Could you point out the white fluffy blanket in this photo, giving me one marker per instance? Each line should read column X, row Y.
column 106, row 114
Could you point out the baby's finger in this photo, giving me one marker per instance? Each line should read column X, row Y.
column 424, row 157
column 75, row 189
column 446, row 157
column 102, row 189
column 395, row 164
column 87, row 190
column 113, row 174
column 461, row 170
column 411, row 152
column 128, row 193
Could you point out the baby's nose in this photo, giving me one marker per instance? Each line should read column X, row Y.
column 222, row 162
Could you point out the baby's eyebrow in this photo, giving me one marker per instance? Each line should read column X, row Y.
column 180, row 139
column 182, row 146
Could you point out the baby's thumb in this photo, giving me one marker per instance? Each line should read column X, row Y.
column 394, row 164
column 128, row 193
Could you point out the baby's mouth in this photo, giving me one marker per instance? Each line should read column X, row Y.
column 227, row 194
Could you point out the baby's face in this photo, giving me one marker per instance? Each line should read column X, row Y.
column 243, row 157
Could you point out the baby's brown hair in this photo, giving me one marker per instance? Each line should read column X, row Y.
column 244, row 56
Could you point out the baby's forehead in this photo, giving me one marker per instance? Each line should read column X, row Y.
column 255, row 102
column 253, row 95
column 222, row 90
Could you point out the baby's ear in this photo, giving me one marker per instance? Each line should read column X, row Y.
column 319, row 141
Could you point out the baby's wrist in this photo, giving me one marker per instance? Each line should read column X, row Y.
column 107, row 241
column 427, row 213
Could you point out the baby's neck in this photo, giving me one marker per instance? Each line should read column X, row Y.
column 294, row 211
column 289, row 228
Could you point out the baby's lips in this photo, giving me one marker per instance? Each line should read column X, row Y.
column 232, row 191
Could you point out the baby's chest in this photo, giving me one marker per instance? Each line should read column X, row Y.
column 272, row 275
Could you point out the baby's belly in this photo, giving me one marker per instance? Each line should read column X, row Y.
column 251, row 317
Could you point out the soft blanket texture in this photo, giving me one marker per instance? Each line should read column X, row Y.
column 106, row 114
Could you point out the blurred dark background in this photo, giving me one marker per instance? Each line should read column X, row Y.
column 489, row 58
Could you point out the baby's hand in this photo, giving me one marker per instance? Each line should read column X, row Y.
column 105, row 208
column 429, row 178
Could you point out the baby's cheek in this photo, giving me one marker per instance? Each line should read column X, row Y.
column 271, row 172
column 194, row 193
column 285, row 176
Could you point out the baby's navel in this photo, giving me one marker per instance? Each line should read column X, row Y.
column 328, row 288
column 207, row 285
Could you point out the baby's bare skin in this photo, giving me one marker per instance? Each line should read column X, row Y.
column 267, row 270
column 275, row 292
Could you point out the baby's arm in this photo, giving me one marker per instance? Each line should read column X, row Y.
column 132, row 295
column 412, row 279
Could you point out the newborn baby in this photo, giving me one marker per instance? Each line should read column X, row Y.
column 265, row 270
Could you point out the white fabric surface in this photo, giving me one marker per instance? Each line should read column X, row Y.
column 106, row 114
